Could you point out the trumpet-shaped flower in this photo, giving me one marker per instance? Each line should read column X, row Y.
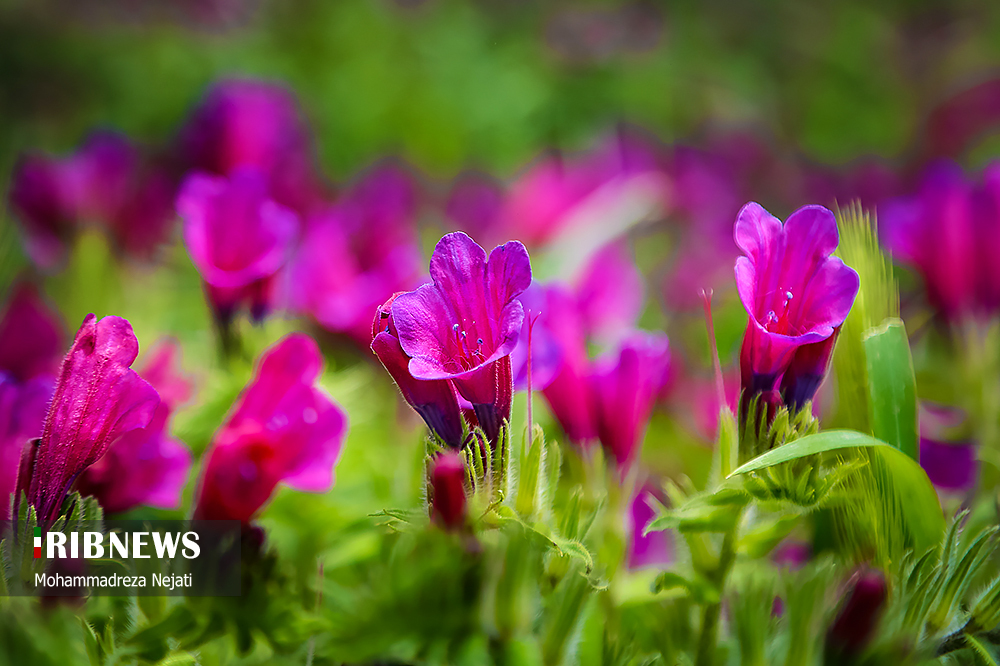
column 433, row 399
column 98, row 398
column 464, row 325
column 795, row 293
column 282, row 430
column 238, row 239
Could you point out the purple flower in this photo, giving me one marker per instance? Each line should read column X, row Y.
column 145, row 465
column 464, row 325
column 97, row 399
column 948, row 231
column 433, row 399
column 546, row 353
column 624, row 391
column 795, row 293
column 238, row 239
column 357, row 251
column 655, row 549
column 31, row 336
column 946, row 454
column 282, row 430
column 447, row 491
column 31, row 343
column 569, row 391
column 245, row 123
column 43, row 204
column 108, row 182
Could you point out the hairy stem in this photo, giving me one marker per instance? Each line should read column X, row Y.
column 709, row 637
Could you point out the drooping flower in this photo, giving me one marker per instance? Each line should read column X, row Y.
column 447, row 491
column 145, row 466
column 947, row 231
column 245, row 123
column 464, row 325
column 98, row 398
column 646, row 550
column 624, row 391
column 433, row 399
column 283, row 429
column 796, row 294
column 355, row 252
column 238, row 239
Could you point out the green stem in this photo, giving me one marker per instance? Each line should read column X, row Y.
column 709, row 637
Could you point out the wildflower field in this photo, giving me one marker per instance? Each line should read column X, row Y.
column 433, row 332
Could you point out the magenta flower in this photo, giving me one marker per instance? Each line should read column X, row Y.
column 357, row 251
column 447, row 491
column 22, row 414
column 947, row 232
column 796, row 294
column 624, row 391
column 98, row 398
column 569, row 392
column 464, row 325
column 238, row 239
column 145, row 466
column 247, row 123
column 282, row 430
column 655, row 549
column 433, row 399
column 947, row 455
column 31, row 336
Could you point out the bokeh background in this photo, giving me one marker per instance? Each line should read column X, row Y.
column 471, row 107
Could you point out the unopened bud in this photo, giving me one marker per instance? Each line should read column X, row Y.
column 448, row 500
column 857, row 618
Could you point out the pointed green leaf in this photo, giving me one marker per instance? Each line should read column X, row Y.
column 911, row 491
column 892, row 386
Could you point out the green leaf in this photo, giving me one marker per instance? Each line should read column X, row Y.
column 892, row 387
column 908, row 490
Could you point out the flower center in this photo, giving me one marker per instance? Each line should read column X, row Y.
column 468, row 357
column 778, row 322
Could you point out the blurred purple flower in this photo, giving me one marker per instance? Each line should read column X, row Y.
column 655, row 549
column 464, row 325
column 796, row 295
column 857, row 618
column 108, row 182
column 357, row 251
column 146, row 466
column 42, row 202
column 246, row 123
column 238, row 239
column 31, row 343
column 946, row 454
column 447, row 491
column 282, row 430
column 953, row 126
column 569, row 391
column 433, row 399
column 948, row 232
column 97, row 399
column 624, row 390
column 606, row 301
